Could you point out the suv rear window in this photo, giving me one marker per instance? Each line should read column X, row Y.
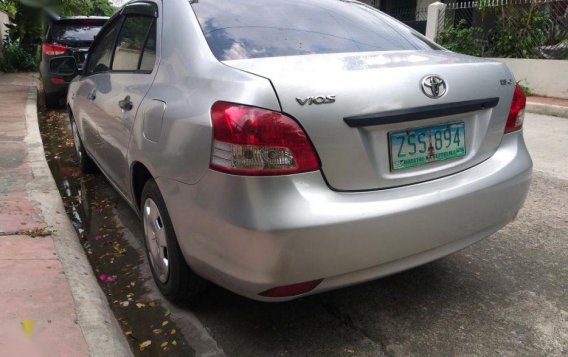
column 270, row 28
column 72, row 32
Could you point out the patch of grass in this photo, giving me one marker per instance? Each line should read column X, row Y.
column 526, row 89
column 36, row 232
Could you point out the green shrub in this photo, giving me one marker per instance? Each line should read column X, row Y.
column 519, row 34
column 526, row 90
column 17, row 58
column 461, row 39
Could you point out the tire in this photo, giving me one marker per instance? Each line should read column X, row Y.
column 52, row 101
column 173, row 276
column 86, row 164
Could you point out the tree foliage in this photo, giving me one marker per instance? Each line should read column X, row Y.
column 29, row 23
column 9, row 6
column 461, row 38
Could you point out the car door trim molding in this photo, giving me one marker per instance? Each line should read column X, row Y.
column 420, row 113
column 141, row 8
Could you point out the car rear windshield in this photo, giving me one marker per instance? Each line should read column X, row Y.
column 74, row 32
column 241, row 29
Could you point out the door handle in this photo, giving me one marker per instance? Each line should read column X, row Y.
column 92, row 95
column 125, row 104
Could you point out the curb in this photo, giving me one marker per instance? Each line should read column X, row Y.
column 547, row 109
column 100, row 329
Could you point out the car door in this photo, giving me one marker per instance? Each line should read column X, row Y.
column 120, row 92
column 94, row 75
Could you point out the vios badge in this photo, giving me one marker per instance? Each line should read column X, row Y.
column 434, row 86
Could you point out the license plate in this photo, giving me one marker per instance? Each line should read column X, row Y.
column 422, row 146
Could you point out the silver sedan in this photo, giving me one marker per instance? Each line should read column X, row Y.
column 285, row 148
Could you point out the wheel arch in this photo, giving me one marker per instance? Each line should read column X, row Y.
column 140, row 174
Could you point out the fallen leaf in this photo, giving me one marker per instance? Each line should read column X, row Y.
column 107, row 278
column 164, row 344
column 174, row 343
column 125, row 303
column 145, row 344
column 152, row 304
column 165, row 323
column 157, row 331
column 140, row 305
column 167, row 313
column 28, row 326
column 128, row 333
column 173, row 331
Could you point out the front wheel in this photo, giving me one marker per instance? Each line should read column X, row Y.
column 172, row 275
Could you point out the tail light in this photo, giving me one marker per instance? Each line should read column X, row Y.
column 517, row 112
column 57, row 80
column 52, row 49
column 254, row 141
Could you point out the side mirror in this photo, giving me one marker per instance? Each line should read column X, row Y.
column 64, row 66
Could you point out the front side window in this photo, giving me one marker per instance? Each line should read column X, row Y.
column 101, row 53
column 131, row 43
column 269, row 28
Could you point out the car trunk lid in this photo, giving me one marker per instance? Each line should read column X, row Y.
column 347, row 102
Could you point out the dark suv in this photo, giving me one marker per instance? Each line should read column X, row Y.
column 66, row 36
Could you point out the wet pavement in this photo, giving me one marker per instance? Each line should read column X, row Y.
column 114, row 253
column 507, row 295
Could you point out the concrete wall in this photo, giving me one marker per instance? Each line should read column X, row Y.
column 548, row 78
column 3, row 21
column 421, row 4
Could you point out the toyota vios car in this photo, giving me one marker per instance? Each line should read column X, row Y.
column 284, row 148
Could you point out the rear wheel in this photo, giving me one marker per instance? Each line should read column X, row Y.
column 172, row 275
column 86, row 164
column 52, row 101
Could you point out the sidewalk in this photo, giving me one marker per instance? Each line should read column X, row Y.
column 50, row 303
column 548, row 106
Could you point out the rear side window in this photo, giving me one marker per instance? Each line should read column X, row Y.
column 73, row 33
column 271, row 28
column 131, row 42
column 149, row 54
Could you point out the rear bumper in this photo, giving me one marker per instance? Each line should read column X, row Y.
column 50, row 88
column 55, row 89
column 251, row 234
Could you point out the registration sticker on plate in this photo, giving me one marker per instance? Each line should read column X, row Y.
column 421, row 146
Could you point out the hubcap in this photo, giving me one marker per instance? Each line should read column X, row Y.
column 77, row 141
column 155, row 234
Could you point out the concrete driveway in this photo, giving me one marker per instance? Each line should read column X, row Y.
column 507, row 295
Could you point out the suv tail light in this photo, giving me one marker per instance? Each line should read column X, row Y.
column 517, row 112
column 52, row 49
column 254, row 141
